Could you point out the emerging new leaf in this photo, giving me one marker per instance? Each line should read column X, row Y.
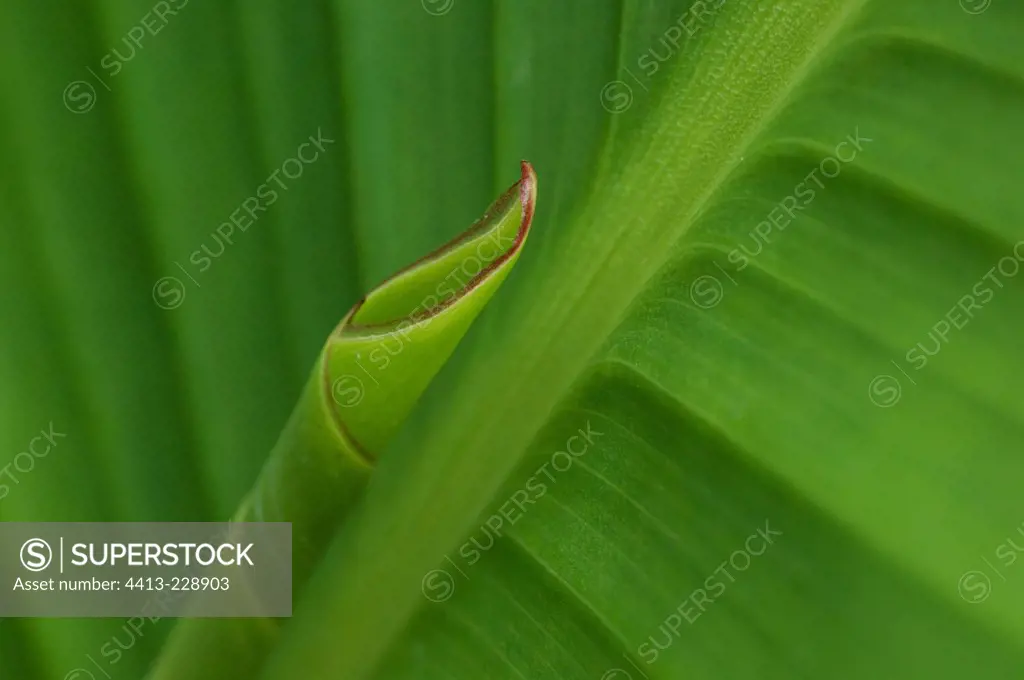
column 371, row 372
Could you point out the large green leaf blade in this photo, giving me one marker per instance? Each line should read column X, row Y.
column 780, row 366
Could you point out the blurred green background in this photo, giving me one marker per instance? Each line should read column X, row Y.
column 170, row 357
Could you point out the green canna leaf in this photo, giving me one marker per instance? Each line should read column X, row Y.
column 369, row 375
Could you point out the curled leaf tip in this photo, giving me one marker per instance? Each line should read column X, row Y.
column 391, row 344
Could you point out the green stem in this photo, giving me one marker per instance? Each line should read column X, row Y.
column 313, row 475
